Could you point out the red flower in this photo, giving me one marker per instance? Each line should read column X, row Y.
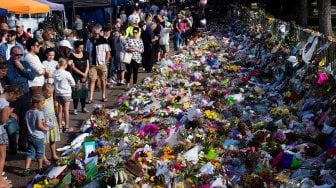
column 245, row 79
column 177, row 166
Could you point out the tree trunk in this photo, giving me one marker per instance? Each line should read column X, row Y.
column 324, row 13
column 302, row 13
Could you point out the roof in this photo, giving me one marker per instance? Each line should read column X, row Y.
column 85, row 3
column 24, row 7
column 53, row 6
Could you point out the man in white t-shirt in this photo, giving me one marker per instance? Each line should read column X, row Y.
column 35, row 85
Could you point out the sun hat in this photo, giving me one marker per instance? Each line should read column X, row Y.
column 65, row 43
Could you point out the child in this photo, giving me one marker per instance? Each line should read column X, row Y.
column 50, row 64
column 11, row 93
column 36, row 131
column 50, row 118
column 63, row 83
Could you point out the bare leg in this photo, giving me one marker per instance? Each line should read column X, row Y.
column 2, row 159
column 60, row 115
column 28, row 162
column 122, row 75
column 103, row 87
column 53, row 151
column 92, row 87
column 45, row 159
column 66, row 107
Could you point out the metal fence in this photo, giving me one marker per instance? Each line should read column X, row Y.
column 300, row 34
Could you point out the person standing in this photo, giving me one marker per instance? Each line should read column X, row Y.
column 21, row 35
column 19, row 72
column 99, row 56
column 63, row 83
column 33, row 48
column 111, row 69
column 11, row 93
column 53, row 135
column 37, row 128
column 6, row 47
column 149, row 40
column 177, row 32
column 78, row 26
column 80, row 70
column 135, row 46
column 118, row 43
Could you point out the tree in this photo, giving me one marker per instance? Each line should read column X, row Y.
column 324, row 13
column 302, row 13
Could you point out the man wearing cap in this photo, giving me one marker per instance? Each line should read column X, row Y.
column 6, row 47
column 99, row 56
column 21, row 35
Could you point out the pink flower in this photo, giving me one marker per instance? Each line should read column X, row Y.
column 322, row 77
column 206, row 186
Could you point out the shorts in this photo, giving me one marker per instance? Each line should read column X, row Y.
column 165, row 48
column 98, row 71
column 63, row 99
column 4, row 139
column 35, row 147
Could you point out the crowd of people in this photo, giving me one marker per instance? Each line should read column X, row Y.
column 40, row 76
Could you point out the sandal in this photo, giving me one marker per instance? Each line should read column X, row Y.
column 46, row 162
column 89, row 102
column 104, row 99
column 69, row 130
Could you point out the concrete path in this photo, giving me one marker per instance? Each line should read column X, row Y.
column 14, row 164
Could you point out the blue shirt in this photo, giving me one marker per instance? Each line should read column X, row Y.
column 4, row 47
column 17, row 77
column 31, row 118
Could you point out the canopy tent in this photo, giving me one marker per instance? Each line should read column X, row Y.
column 24, row 7
column 85, row 3
column 53, row 6
column 3, row 12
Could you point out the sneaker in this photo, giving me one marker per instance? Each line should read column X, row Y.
column 113, row 81
column 74, row 112
column 84, row 110
column 28, row 172
column 40, row 171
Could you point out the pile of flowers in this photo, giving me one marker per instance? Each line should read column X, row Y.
column 207, row 119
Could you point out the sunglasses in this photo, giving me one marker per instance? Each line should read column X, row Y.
column 18, row 55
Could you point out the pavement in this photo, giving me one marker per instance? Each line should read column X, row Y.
column 15, row 164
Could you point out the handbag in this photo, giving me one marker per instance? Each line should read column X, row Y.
column 12, row 126
column 125, row 57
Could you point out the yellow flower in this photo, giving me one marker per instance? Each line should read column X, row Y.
column 186, row 105
column 149, row 155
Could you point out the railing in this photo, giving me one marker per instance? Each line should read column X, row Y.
column 298, row 33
